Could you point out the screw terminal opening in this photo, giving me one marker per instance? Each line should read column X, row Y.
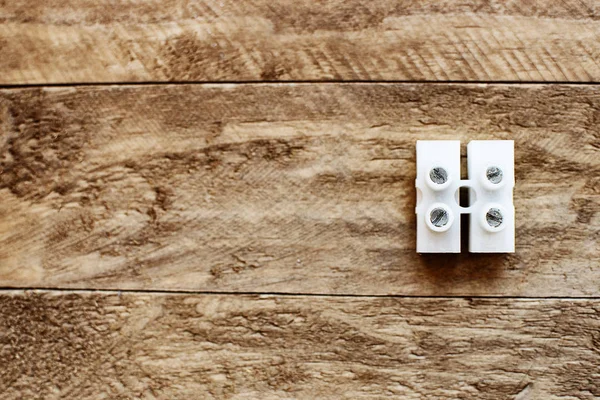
column 494, row 175
column 438, row 175
column 439, row 217
column 494, row 217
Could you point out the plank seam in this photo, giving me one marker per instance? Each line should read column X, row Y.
column 294, row 82
column 283, row 294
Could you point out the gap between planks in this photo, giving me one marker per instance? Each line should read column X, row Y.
column 293, row 82
column 281, row 294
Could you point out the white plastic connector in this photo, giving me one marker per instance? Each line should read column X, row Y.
column 438, row 213
column 492, row 178
column 491, row 183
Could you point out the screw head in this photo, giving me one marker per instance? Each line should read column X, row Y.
column 438, row 175
column 439, row 217
column 494, row 217
column 494, row 175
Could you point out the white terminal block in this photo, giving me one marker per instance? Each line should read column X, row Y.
column 491, row 183
column 438, row 212
column 491, row 168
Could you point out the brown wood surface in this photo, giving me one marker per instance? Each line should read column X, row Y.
column 67, row 41
column 305, row 188
column 155, row 346
column 294, row 201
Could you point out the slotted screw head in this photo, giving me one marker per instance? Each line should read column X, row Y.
column 494, row 217
column 438, row 175
column 494, row 175
column 439, row 217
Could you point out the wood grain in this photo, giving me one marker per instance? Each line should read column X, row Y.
column 153, row 346
column 286, row 188
column 69, row 41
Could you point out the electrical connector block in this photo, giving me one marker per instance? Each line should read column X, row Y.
column 490, row 196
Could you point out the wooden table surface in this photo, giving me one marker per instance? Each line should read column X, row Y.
column 215, row 199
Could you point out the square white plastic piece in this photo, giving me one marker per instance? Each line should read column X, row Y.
column 490, row 191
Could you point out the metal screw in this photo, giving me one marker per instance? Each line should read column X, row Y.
column 494, row 217
column 438, row 217
column 494, row 175
column 438, row 175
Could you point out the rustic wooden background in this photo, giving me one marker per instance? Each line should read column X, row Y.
column 214, row 199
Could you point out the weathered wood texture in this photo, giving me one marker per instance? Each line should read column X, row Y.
column 92, row 345
column 225, row 40
column 286, row 188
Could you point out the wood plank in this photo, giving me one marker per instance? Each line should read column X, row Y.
column 152, row 346
column 286, row 188
column 70, row 41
